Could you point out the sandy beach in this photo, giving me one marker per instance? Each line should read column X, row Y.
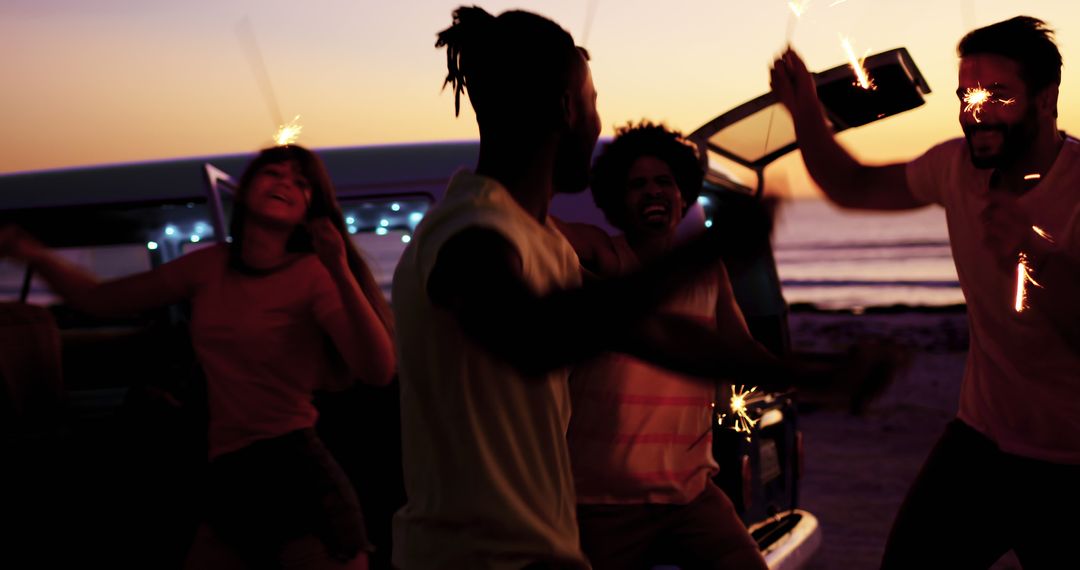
column 857, row 469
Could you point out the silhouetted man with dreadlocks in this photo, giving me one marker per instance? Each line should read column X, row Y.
column 490, row 311
column 486, row 470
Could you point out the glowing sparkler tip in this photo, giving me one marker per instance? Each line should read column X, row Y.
column 288, row 133
column 741, row 420
column 1032, row 177
column 975, row 97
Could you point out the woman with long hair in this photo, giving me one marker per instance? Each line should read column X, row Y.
column 287, row 308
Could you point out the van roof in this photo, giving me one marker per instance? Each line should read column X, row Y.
column 355, row 171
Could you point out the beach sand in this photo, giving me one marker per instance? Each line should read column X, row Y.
column 857, row 469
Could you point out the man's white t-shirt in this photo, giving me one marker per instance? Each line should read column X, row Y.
column 487, row 471
column 1021, row 385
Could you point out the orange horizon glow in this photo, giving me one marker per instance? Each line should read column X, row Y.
column 126, row 81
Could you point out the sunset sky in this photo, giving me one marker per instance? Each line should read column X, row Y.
column 104, row 81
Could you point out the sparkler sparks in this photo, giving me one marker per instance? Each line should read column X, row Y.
column 1043, row 233
column 288, row 133
column 863, row 78
column 798, row 7
column 1023, row 273
column 1023, row 278
column 976, row 97
column 740, row 399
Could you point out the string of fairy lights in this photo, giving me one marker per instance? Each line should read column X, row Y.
column 380, row 218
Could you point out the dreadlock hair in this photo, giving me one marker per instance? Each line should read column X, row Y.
column 631, row 142
column 514, row 66
column 1027, row 41
column 323, row 204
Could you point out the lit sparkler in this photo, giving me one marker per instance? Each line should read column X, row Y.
column 288, row 134
column 740, row 399
column 976, row 97
column 1023, row 272
column 798, row 8
column 862, row 76
column 1023, row 278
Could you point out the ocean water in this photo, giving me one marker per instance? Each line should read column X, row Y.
column 836, row 258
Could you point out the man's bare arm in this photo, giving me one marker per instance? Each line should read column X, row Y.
column 845, row 181
column 477, row 276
